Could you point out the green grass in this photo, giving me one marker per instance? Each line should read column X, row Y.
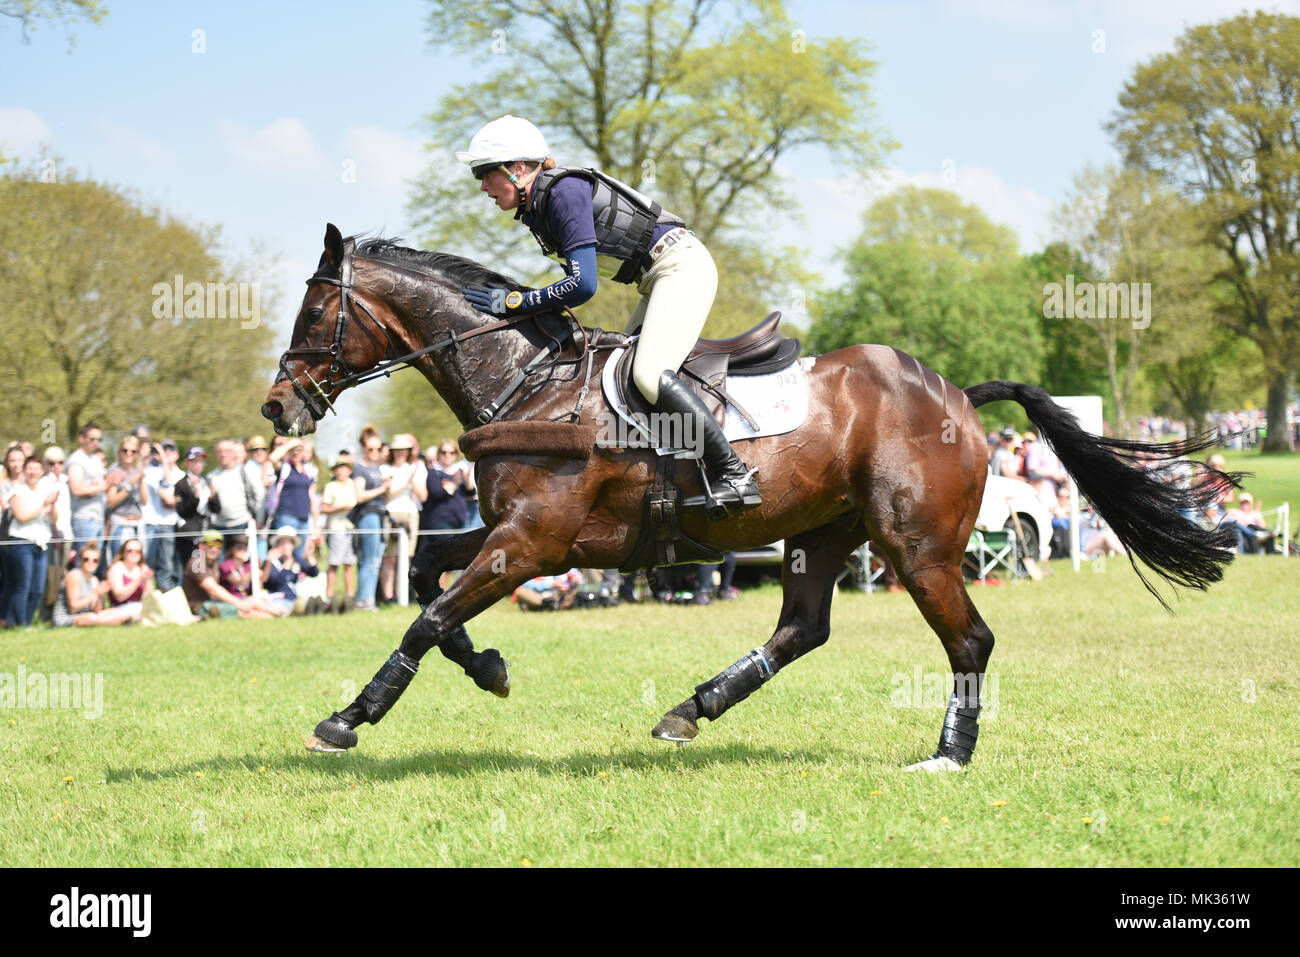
column 1122, row 737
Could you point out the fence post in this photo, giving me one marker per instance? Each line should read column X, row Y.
column 255, row 562
column 402, row 587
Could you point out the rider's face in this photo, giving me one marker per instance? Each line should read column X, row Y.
column 497, row 185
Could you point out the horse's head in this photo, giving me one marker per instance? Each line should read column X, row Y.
column 323, row 359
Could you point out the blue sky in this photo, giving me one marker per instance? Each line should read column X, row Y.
column 1001, row 101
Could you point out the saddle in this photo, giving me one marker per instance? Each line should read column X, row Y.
column 759, row 351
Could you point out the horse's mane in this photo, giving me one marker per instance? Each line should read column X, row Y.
column 458, row 270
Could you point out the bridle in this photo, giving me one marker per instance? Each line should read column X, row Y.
column 342, row 376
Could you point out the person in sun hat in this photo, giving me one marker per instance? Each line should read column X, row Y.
column 595, row 224
column 281, row 573
column 205, row 594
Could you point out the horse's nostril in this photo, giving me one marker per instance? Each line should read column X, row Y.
column 272, row 410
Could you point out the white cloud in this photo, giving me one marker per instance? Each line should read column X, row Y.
column 385, row 160
column 133, row 144
column 22, row 132
column 284, row 145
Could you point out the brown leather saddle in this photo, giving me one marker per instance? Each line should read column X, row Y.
column 759, row 351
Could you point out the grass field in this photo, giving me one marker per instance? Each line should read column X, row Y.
column 1116, row 736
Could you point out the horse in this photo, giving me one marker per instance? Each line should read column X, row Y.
column 889, row 452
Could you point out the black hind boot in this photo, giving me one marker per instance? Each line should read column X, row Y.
column 729, row 484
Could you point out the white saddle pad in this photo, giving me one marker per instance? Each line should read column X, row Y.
column 778, row 401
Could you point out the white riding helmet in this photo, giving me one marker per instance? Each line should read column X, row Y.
column 505, row 140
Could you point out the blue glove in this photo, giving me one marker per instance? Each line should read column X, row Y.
column 499, row 301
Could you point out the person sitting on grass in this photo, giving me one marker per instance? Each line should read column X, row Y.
column 235, row 573
column 129, row 578
column 1096, row 538
column 81, row 597
column 281, row 573
column 1253, row 536
column 204, row 593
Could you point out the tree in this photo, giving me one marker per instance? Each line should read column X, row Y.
column 933, row 276
column 1217, row 120
column 1073, row 362
column 1146, row 269
column 692, row 101
column 93, row 327
column 30, row 12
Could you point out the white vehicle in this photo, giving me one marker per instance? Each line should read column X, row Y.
column 1002, row 497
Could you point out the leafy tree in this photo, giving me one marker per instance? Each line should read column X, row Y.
column 1150, row 272
column 29, row 13
column 933, row 276
column 89, row 333
column 1216, row 119
column 1073, row 363
column 695, row 102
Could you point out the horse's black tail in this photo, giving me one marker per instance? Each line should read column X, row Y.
column 1141, row 489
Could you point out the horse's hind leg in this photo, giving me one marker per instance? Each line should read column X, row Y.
column 937, row 588
column 812, row 561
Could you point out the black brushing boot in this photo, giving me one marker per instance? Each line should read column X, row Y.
column 730, row 484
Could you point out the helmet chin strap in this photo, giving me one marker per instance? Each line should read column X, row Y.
column 521, row 186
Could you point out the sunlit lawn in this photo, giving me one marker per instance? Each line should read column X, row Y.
column 1116, row 735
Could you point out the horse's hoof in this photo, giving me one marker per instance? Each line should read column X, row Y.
column 332, row 736
column 673, row 727
column 934, row 765
column 501, row 687
column 491, row 672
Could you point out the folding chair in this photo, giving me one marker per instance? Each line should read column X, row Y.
column 988, row 551
column 861, row 571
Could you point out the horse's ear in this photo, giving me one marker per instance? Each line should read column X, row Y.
column 333, row 246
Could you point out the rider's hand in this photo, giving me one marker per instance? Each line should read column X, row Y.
column 499, row 301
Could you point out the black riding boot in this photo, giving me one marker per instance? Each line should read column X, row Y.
column 730, row 484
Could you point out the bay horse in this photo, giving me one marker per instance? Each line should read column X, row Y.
column 889, row 451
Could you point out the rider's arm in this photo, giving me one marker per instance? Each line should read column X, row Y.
column 579, row 282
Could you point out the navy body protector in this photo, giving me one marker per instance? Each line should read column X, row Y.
column 625, row 219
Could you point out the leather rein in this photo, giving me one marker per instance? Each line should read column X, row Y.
column 342, row 376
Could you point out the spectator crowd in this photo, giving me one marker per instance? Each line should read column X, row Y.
column 1028, row 459
column 87, row 536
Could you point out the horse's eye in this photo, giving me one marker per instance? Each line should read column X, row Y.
column 313, row 315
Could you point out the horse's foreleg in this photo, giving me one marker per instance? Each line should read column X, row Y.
column 812, row 561
column 484, row 582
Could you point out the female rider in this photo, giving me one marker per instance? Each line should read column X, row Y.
column 595, row 222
